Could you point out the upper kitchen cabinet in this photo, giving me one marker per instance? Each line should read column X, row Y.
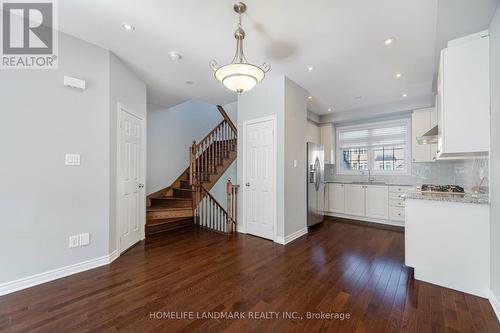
column 464, row 98
column 312, row 132
column 327, row 140
column 422, row 121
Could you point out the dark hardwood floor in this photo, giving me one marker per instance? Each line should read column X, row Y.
column 350, row 269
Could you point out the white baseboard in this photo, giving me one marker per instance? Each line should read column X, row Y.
column 291, row 237
column 495, row 304
column 54, row 274
column 367, row 219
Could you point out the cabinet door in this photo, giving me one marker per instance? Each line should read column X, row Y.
column 312, row 133
column 336, row 198
column 420, row 123
column 327, row 142
column 377, row 201
column 355, row 199
column 466, row 97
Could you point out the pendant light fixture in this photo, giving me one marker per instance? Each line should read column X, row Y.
column 239, row 75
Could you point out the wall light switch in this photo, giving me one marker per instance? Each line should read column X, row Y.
column 72, row 159
column 73, row 82
column 84, row 239
column 294, row 163
column 74, row 241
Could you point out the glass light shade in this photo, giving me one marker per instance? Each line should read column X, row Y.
column 239, row 77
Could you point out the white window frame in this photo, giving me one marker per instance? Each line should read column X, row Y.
column 408, row 151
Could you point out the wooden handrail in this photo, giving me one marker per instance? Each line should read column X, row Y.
column 226, row 118
column 210, row 133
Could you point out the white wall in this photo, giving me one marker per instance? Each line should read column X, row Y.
column 295, row 151
column 495, row 154
column 129, row 90
column 267, row 99
column 284, row 99
column 43, row 201
column 232, row 111
column 170, row 134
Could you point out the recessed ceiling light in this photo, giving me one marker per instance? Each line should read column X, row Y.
column 329, row 110
column 405, row 95
column 389, row 41
column 128, row 26
column 309, row 97
column 310, row 68
column 398, row 75
column 174, row 55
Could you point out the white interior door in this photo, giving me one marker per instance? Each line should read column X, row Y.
column 131, row 200
column 259, row 177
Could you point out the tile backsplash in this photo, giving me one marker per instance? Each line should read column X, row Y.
column 466, row 173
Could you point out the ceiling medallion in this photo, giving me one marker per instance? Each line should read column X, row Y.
column 239, row 75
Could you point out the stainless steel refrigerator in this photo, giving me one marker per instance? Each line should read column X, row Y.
column 315, row 183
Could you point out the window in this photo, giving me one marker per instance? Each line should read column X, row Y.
column 382, row 148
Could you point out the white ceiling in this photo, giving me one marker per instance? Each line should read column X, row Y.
column 342, row 39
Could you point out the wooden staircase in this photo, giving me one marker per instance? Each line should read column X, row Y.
column 176, row 206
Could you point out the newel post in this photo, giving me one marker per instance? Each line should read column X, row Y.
column 192, row 161
column 229, row 191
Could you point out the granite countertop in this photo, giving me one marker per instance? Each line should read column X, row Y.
column 467, row 198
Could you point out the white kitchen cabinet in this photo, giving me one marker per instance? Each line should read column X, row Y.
column 355, row 199
column 327, row 140
column 336, row 198
column 423, row 120
column 464, row 97
column 448, row 244
column 312, row 132
column 377, row 201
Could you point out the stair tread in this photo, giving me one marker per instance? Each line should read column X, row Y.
column 172, row 198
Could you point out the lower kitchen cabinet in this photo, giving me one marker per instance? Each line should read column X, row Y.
column 355, row 199
column 336, row 198
column 377, row 201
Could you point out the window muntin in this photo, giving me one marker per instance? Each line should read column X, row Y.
column 383, row 147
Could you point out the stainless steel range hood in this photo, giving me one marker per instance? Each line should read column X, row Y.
column 429, row 137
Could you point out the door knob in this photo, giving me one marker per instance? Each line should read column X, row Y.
column 247, row 184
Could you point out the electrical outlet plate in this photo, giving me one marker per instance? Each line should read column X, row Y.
column 74, row 241
column 84, row 239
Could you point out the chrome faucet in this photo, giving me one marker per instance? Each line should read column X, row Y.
column 370, row 178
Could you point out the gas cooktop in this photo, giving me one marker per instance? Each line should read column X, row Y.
column 451, row 189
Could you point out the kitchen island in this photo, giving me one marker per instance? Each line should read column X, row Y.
column 447, row 241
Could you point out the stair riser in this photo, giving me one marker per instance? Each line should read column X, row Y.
column 171, row 203
column 182, row 194
column 160, row 215
column 185, row 184
column 154, row 229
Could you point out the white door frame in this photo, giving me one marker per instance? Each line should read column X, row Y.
column 123, row 108
column 275, row 145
